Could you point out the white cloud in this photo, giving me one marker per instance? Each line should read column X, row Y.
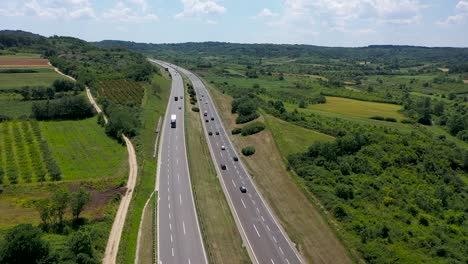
column 50, row 9
column 266, row 13
column 200, row 7
column 123, row 13
column 143, row 4
column 460, row 18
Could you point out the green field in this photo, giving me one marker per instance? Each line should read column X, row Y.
column 13, row 107
column 358, row 108
column 153, row 106
column 19, row 55
column 45, row 77
column 291, row 138
column 83, row 150
column 121, row 91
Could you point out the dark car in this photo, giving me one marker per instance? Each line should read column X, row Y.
column 210, row 133
column 212, row 118
column 235, row 158
column 206, row 121
column 217, row 133
column 181, row 97
column 243, row 189
column 223, row 167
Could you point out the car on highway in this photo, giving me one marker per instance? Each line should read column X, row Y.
column 223, row 167
column 210, row 133
column 181, row 97
column 217, row 133
column 206, row 120
column 223, row 147
column 180, row 107
column 212, row 118
column 243, row 189
column 235, row 158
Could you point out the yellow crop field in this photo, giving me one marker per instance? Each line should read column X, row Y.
column 359, row 108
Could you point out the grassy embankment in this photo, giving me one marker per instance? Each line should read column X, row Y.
column 222, row 240
column 306, row 227
column 153, row 106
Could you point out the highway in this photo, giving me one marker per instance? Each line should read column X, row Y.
column 266, row 241
column 179, row 236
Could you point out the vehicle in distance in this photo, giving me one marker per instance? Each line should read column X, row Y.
column 173, row 121
column 217, row 133
column 210, row 133
column 205, row 113
column 206, row 121
column 180, row 107
column 243, row 189
column 212, row 118
column 181, row 97
column 223, row 147
column 235, row 158
column 176, row 98
column 223, row 167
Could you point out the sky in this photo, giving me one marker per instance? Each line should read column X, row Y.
column 350, row 23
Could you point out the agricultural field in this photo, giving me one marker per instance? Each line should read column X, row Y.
column 121, row 91
column 38, row 77
column 82, row 149
column 24, row 155
column 17, row 61
column 358, row 108
column 12, row 105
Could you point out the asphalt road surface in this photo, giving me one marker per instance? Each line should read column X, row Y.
column 266, row 240
column 179, row 236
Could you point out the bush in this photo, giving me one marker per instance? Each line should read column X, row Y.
column 390, row 119
column 241, row 119
column 248, row 151
column 195, row 109
column 252, row 129
column 380, row 118
column 24, row 244
column 407, row 121
column 236, row 131
column 122, row 120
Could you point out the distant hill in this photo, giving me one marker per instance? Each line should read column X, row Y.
column 384, row 54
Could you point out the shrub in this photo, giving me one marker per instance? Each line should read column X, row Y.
column 407, row 121
column 248, row 151
column 380, row 118
column 69, row 107
column 236, row 131
column 390, row 119
column 252, row 129
column 195, row 109
column 241, row 119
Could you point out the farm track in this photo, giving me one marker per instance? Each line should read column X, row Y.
column 113, row 242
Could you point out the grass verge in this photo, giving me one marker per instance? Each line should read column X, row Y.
column 222, row 240
column 154, row 106
column 148, row 229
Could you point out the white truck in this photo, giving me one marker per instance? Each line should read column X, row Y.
column 173, row 121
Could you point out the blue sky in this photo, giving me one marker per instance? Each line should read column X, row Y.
column 316, row 22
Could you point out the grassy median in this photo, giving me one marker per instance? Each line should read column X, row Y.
column 221, row 238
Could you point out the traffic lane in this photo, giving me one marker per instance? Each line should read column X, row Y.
column 271, row 223
column 247, row 209
column 267, row 224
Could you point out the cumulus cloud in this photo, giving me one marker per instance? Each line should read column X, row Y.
column 194, row 8
column 459, row 18
column 121, row 12
column 50, row 9
column 266, row 13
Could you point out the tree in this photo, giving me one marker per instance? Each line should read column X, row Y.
column 45, row 212
column 59, row 201
column 78, row 200
column 24, row 244
column 81, row 246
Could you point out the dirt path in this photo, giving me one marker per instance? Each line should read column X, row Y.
column 110, row 255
